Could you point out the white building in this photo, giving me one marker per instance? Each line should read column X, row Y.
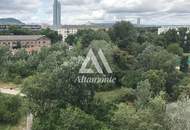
column 166, row 28
column 67, row 30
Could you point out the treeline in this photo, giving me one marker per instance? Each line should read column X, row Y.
column 13, row 30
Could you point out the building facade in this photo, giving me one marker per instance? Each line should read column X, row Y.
column 31, row 43
column 138, row 21
column 67, row 30
column 166, row 28
column 56, row 13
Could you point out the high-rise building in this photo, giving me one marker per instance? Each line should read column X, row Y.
column 138, row 21
column 56, row 13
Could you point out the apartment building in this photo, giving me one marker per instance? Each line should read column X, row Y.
column 67, row 30
column 30, row 42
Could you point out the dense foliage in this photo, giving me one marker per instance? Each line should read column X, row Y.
column 144, row 63
column 10, row 109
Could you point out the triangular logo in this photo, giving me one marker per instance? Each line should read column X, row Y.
column 91, row 57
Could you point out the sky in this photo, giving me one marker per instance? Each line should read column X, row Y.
column 151, row 12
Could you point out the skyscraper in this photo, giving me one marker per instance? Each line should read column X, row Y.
column 56, row 13
column 138, row 21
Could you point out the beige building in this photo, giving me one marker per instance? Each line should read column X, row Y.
column 67, row 30
column 30, row 42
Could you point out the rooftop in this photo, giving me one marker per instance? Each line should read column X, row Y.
column 100, row 25
column 20, row 37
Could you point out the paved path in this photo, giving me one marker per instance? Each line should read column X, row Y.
column 11, row 91
column 29, row 121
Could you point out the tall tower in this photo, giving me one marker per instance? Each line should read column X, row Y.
column 138, row 21
column 56, row 13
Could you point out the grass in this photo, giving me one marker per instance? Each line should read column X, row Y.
column 20, row 126
column 7, row 85
column 114, row 95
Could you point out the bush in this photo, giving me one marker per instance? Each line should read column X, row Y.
column 118, row 95
column 10, row 109
column 101, row 110
column 70, row 118
column 128, row 117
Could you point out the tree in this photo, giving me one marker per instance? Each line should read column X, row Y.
column 10, row 110
column 70, row 118
column 102, row 35
column 175, row 49
column 154, row 57
column 58, row 88
column 73, row 119
column 5, row 57
column 157, row 79
column 184, row 67
column 170, row 36
column 71, row 40
column 144, row 94
column 85, row 37
column 21, row 54
column 19, row 31
column 131, row 78
column 123, row 33
column 127, row 117
column 106, row 47
column 53, row 35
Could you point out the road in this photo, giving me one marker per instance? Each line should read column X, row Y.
column 18, row 92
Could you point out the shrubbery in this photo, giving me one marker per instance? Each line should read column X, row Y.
column 10, row 109
column 144, row 65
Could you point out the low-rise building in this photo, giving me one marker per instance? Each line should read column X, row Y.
column 30, row 42
column 166, row 28
column 67, row 30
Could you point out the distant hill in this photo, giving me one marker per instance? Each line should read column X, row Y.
column 10, row 21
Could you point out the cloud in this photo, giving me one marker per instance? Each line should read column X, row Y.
column 79, row 2
column 82, row 11
column 12, row 6
column 180, row 6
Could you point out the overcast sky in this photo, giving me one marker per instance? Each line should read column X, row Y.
column 82, row 11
